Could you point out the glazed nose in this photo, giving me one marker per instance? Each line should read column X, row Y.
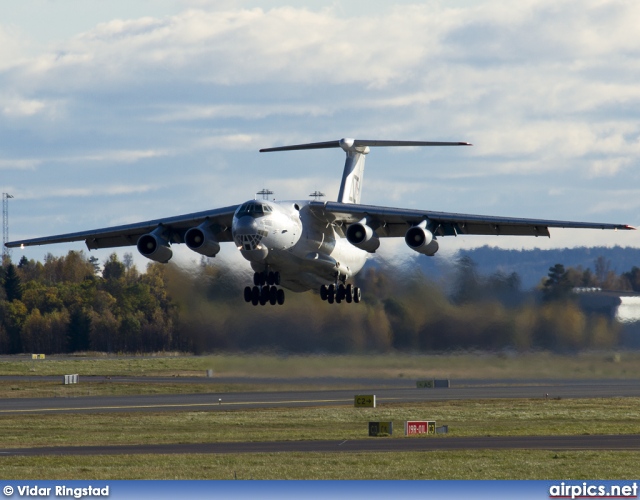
column 245, row 225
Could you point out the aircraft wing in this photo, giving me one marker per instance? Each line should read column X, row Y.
column 394, row 222
column 128, row 234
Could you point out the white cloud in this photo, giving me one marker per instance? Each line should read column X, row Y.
column 19, row 163
column 547, row 92
column 118, row 156
column 82, row 192
column 22, row 107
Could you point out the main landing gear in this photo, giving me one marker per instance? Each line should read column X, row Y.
column 265, row 289
column 338, row 293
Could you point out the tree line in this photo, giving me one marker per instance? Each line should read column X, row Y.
column 72, row 303
column 65, row 304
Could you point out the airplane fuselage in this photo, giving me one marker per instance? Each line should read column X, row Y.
column 286, row 237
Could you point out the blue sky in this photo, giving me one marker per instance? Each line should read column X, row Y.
column 116, row 112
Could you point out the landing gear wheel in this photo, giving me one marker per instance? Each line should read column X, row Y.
column 271, row 279
column 247, row 294
column 276, row 280
column 255, row 295
column 340, row 293
column 323, row 292
column 280, row 296
column 273, row 295
column 349, row 293
column 357, row 296
column 264, row 295
column 331, row 293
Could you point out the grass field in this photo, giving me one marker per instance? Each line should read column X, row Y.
column 465, row 418
column 470, row 418
column 482, row 464
column 455, row 366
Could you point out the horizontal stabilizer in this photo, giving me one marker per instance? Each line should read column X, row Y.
column 361, row 143
column 356, row 149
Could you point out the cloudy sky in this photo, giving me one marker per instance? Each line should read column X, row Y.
column 121, row 111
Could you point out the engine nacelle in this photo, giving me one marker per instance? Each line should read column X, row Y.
column 420, row 239
column 362, row 236
column 153, row 246
column 200, row 239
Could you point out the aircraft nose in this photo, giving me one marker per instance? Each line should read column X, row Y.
column 248, row 237
column 245, row 225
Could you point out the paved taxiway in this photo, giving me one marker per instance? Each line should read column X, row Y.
column 553, row 443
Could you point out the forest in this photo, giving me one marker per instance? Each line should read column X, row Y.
column 74, row 303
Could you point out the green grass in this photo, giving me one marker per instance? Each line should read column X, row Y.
column 462, row 365
column 465, row 418
column 482, row 464
column 39, row 389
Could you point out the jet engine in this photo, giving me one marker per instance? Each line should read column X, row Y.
column 420, row 239
column 202, row 240
column 362, row 236
column 154, row 246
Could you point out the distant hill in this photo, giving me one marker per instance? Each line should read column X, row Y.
column 532, row 265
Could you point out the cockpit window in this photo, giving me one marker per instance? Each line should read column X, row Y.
column 253, row 209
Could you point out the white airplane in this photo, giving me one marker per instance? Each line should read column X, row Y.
column 309, row 245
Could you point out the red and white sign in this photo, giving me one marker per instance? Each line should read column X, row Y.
column 412, row 427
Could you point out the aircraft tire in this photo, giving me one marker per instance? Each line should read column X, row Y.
column 248, row 294
column 271, row 279
column 255, row 295
column 349, row 293
column 323, row 292
column 340, row 293
column 273, row 295
column 264, row 295
column 277, row 279
column 280, row 296
column 357, row 295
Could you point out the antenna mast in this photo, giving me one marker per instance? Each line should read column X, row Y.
column 5, row 226
column 265, row 193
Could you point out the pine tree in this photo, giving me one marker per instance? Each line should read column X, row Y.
column 12, row 284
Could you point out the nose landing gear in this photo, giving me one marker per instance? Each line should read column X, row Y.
column 265, row 289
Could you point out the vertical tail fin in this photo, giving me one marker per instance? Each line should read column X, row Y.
column 351, row 185
column 356, row 149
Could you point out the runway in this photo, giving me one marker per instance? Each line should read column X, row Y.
column 403, row 392
column 387, row 391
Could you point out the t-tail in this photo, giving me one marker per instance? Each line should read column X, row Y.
column 356, row 149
